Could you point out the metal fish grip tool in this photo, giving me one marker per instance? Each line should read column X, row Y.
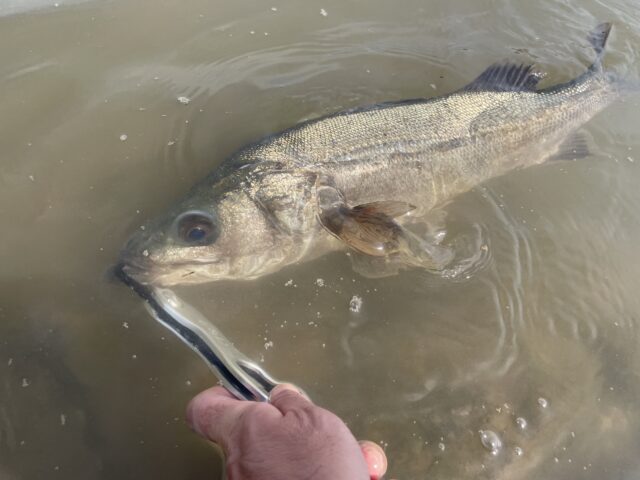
column 240, row 375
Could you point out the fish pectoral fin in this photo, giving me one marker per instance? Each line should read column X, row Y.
column 506, row 77
column 367, row 228
column 370, row 229
column 413, row 252
column 363, row 228
column 575, row 146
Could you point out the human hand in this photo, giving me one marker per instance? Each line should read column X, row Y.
column 288, row 438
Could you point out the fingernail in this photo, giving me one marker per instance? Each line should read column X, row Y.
column 288, row 386
column 375, row 458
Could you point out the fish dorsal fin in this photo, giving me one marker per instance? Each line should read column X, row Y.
column 506, row 77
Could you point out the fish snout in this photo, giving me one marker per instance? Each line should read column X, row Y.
column 135, row 258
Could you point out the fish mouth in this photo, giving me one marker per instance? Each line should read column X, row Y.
column 151, row 274
column 135, row 280
column 119, row 272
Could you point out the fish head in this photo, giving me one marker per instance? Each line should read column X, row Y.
column 220, row 231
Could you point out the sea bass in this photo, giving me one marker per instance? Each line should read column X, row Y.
column 355, row 179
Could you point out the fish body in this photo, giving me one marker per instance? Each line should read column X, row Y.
column 355, row 178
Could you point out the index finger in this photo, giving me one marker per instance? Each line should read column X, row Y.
column 206, row 404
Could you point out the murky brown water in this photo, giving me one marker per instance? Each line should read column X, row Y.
column 93, row 141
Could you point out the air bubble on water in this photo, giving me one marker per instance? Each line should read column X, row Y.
column 355, row 304
column 274, row 9
column 543, row 402
column 491, row 441
column 521, row 422
column 288, row 283
column 123, row 137
column 320, row 282
column 441, row 446
column 134, row 356
column 518, row 451
column 323, row 12
column 268, row 345
column 184, row 100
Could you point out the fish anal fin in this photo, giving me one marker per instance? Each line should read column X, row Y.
column 575, row 147
column 506, row 77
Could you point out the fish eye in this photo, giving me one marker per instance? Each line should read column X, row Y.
column 197, row 228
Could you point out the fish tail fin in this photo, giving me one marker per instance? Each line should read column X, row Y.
column 598, row 40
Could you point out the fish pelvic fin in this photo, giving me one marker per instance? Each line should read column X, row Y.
column 506, row 77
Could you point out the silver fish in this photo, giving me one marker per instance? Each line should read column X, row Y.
column 356, row 178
